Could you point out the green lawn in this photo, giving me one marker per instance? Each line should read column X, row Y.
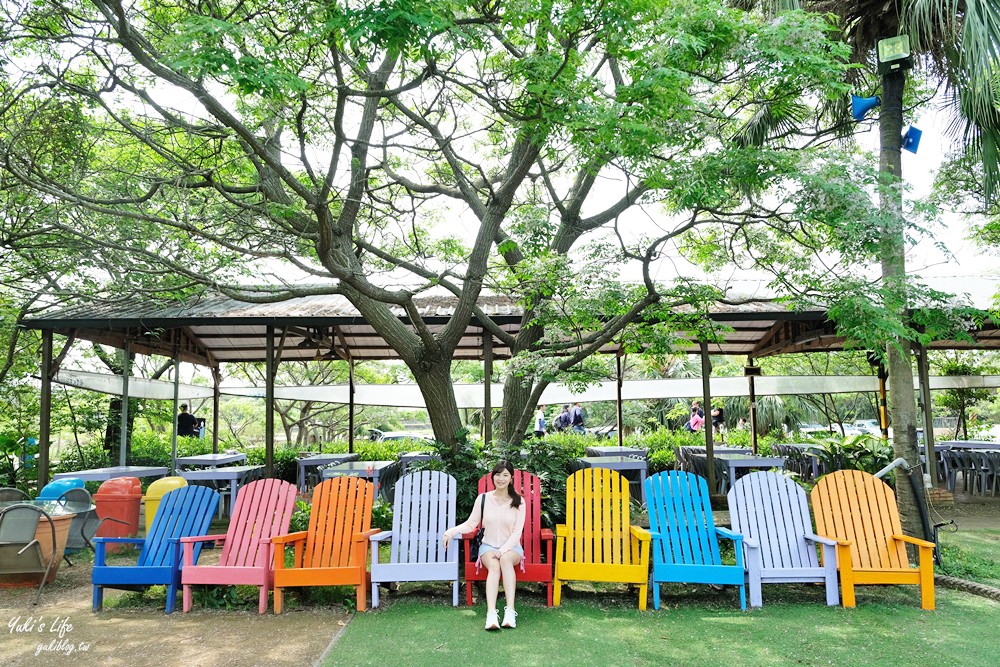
column 973, row 555
column 696, row 626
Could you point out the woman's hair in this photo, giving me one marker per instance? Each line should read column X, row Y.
column 515, row 497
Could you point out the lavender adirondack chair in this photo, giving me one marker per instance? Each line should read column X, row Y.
column 423, row 508
column 779, row 543
column 263, row 509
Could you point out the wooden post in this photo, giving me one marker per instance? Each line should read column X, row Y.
column 125, row 376
column 618, row 362
column 753, row 410
column 350, row 405
column 488, row 388
column 177, row 391
column 706, row 390
column 270, row 371
column 45, row 412
column 924, row 377
column 216, row 397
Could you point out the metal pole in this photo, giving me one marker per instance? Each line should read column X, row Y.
column 924, row 377
column 269, row 404
column 618, row 362
column 706, row 390
column 488, row 388
column 45, row 414
column 177, row 392
column 216, row 398
column 125, row 376
column 753, row 411
column 883, row 403
column 350, row 406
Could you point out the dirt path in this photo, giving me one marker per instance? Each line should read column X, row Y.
column 70, row 634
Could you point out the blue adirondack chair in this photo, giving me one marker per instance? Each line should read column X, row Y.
column 183, row 512
column 423, row 508
column 779, row 543
column 685, row 538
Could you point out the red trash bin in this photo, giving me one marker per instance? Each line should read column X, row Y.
column 119, row 499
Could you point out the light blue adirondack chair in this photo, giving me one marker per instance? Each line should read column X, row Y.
column 183, row 512
column 423, row 508
column 685, row 537
column 779, row 543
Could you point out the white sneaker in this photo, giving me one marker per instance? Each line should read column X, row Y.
column 492, row 620
column 509, row 618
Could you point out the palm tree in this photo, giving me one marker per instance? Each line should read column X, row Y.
column 958, row 43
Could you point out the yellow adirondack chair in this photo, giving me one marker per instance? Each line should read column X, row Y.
column 859, row 511
column 597, row 543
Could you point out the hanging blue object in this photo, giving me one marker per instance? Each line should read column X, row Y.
column 862, row 105
column 911, row 139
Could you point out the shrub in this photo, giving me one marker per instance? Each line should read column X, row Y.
column 286, row 465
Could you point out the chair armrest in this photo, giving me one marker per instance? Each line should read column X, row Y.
column 119, row 540
column 288, row 539
column 728, row 534
column 358, row 537
column 750, row 542
column 111, row 518
column 641, row 533
column 466, row 536
column 914, row 540
column 562, row 530
column 547, row 535
column 28, row 546
column 203, row 538
column 381, row 536
column 821, row 540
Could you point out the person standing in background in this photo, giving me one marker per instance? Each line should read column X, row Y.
column 576, row 417
column 540, row 422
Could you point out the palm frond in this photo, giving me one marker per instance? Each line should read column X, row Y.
column 772, row 119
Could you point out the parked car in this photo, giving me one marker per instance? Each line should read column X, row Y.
column 376, row 435
column 846, row 430
column 806, row 429
column 868, row 426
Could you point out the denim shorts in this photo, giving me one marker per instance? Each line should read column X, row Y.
column 486, row 548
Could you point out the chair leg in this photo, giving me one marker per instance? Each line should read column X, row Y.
column 556, row 592
column 262, row 601
column 186, row 598
column 279, row 600
column 743, row 597
column 362, row 595
column 171, row 598
column 468, row 593
column 656, row 596
column 68, row 561
column 549, row 587
column 643, row 594
column 374, row 595
column 98, row 602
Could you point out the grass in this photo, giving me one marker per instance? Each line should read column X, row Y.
column 696, row 626
column 972, row 555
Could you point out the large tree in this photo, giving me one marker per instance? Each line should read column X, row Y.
column 383, row 150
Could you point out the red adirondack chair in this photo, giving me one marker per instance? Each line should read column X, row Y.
column 533, row 539
column 263, row 510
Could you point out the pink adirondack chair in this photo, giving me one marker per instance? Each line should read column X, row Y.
column 263, row 510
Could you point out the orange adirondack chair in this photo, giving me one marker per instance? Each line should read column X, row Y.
column 334, row 550
column 533, row 538
column 263, row 509
column 597, row 543
column 859, row 511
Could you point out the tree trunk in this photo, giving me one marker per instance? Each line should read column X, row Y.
column 902, row 404
column 516, row 392
column 434, row 380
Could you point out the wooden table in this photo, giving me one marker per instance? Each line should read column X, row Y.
column 62, row 515
column 411, row 457
column 738, row 462
column 621, row 464
column 367, row 469
column 104, row 474
column 211, row 460
column 967, row 444
column 317, row 460
column 235, row 475
column 617, row 451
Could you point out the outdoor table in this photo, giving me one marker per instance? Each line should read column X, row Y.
column 749, row 462
column 807, row 448
column 104, row 474
column 211, row 460
column 968, row 444
column 235, row 475
column 411, row 457
column 617, row 451
column 320, row 460
column 621, row 464
column 367, row 469
column 62, row 515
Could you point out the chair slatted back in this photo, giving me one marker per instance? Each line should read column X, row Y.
column 263, row 509
column 20, row 553
column 856, row 506
column 85, row 523
column 680, row 511
column 183, row 512
column 10, row 494
column 530, row 487
column 342, row 508
column 424, row 507
column 773, row 510
column 598, row 518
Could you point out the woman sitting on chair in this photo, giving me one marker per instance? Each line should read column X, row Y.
column 501, row 514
